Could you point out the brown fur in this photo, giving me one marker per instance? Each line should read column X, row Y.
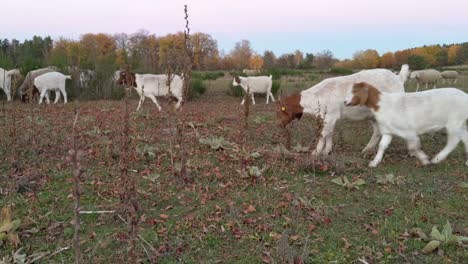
column 127, row 78
column 289, row 108
column 365, row 94
column 237, row 79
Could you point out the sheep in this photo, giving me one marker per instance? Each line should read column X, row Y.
column 250, row 72
column 27, row 85
column 325, row 100
column 258, row 84
column 152, row 86
column 426, row 76
column 450, row 75
column 408, row 115
column 51, row 81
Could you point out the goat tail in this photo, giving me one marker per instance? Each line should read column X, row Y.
column 68, row 77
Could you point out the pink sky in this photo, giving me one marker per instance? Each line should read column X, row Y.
column 233, row 20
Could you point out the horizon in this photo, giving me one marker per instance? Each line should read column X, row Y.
column 352, row 27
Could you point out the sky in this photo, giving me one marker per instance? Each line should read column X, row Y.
column 312, row 26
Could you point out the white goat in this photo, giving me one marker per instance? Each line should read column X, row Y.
column 426, row 76
column 450, row 75
column 409, row 115
column 28, row 83
column 152, row 86
column 258, row 84
column 51, row 81
column 5, row 81
column 325, row 100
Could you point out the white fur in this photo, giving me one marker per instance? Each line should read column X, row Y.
column 5, row 81
column 326, row 98
column 152, row 86
column 257, row 84
column 429, row 76
column 408, row 115
column 51, row 81
column 250, row 72
column 86, row 76
column 450, row 75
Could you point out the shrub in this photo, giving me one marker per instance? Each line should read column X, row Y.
column 275, row 87
column 208, row 75
column 341, row 71
column 197, row 87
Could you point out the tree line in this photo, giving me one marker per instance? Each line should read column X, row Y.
column 146, row 52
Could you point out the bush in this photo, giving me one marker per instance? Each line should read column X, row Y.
column 341, row 71
column 275, row 87
column 197, row 87
column 208, row 75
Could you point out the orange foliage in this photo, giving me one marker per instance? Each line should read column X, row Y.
column 388, row 60
column 453, row 53
column 256, row 62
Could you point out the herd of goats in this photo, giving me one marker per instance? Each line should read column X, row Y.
column 377, row 95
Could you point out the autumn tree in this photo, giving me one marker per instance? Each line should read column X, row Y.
column 298, row 58
column 388, row 61
column 286, row 61
column 417, row 62
column 307, row 62
column 256, row 62
column 324, row 60
column 205, row 53
column 269, row 59
column 452, row 54
column 367, row 59
column 241, row 54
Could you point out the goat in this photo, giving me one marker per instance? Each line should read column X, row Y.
column 325, row 100
column 258, row 84
column 86, row 76
column 152, row 86
column 408, row 115
column 51, row 81
column 5, row 81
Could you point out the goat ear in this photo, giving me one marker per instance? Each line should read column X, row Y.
column 363, row 95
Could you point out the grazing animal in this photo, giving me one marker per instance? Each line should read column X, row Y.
column 152, row 86
column 51, row 81
column 408, row 115
column 258, row 84
column 28, row 84
column 86, row 76
column 450, row 75
column 250, row 72
column 325, row 100
column 5, row 81
column 429, row 76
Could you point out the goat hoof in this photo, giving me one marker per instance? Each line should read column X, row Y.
column 373, row 164
column 435, row 160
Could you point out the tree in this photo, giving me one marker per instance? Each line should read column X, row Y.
column 388, row 60
column 205, row 50
column 256, row 62
column 241, row 54
column 308, row 61
column 324, row 60
column 298, row 58
column 417, row 62
column 452, row 54
column 269, row 59
column 286, row 61
column 367, row 59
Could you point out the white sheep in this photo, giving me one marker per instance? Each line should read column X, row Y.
column 5, row 81
column 51, row 81
column 450, row 75
column 408, row 115
column 250, row 72
column 426, row 76
column 257, row 84
column 325, row 100
column 152, row 86
column 28, row 83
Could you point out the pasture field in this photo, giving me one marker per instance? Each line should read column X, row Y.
column 289, row 211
